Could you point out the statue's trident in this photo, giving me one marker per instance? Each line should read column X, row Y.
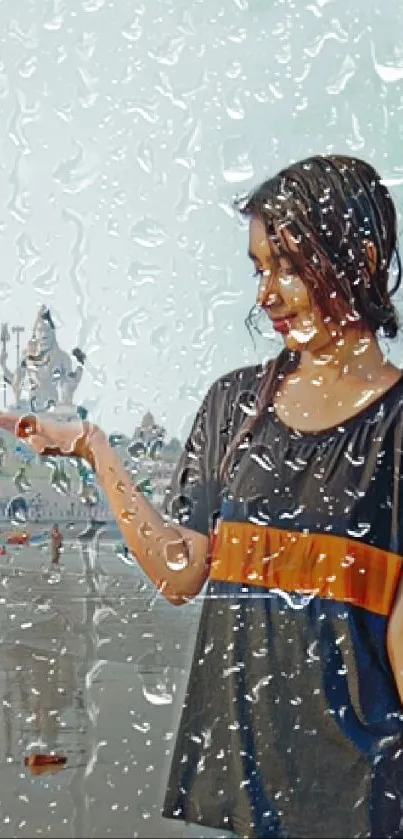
column 4, row 339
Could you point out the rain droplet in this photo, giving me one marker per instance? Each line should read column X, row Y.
column 17, row 510
column 4, row 86
column 137, row 449
column 160, row 338
column 234, row 106
column 141, row 274
column 127, row 516
column 179, row 564
column 388, row 73
column 181, row 508
column 5, row 291
column 145, row 530
column 236, row 165
column 125, row 556
column 347, row 70
column 93, row 5
column 148, row 233
column 133, row 31
column 247, row 403
column 361, row 530
column 145, row 157
column 89, row 495
column 128, row 330
column 157, row 694
column 176, row 556
column 168, row 53
column 21, row 481
column 60, row 481
column 27, row 426
column 255, row 692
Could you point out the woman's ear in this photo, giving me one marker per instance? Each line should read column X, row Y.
column 371, row 254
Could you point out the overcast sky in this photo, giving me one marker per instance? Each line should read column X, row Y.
column 127, row 129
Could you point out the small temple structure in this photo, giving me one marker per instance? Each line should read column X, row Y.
column 148, row 437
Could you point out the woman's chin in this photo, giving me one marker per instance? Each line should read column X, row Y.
column 299, row 340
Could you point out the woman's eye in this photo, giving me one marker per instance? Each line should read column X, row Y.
column 262, row 272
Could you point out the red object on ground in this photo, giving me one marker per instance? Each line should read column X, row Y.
column 39, row 763
column 39, row 759
column 17, row 539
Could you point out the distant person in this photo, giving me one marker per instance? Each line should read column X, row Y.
column 56, row 543
column 288, row 502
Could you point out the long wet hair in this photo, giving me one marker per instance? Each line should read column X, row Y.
column 331, row 207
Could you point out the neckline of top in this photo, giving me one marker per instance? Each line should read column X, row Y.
column 340, row 426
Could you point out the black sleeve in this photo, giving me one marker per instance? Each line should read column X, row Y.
column 194, row 496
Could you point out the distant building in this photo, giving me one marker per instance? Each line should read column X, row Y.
column 148, row 438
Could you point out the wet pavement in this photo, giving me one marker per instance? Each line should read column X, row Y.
column 93, row 666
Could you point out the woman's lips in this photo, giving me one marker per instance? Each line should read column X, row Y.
column 283, row 325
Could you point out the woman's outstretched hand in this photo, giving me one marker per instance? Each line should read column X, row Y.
column 173, row 557
column 49, row 436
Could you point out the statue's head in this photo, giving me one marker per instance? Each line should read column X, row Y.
column 44, row 331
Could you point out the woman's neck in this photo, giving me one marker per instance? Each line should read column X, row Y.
column 355, row 354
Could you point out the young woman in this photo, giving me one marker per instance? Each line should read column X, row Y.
column 287, row 497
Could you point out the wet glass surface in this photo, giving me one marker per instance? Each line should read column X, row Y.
column 126, row 131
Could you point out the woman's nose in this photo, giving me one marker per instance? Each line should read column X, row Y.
column 267, row 292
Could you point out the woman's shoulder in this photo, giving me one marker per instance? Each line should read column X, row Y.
column 241, row 380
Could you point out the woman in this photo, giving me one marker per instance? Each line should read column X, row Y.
column 287, row 497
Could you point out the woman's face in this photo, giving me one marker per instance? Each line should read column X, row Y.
column 284, row 297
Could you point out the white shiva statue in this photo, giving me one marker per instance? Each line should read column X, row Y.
column 44, row 379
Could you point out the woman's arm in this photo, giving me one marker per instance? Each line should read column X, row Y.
column 175, row 558
column 394, row 640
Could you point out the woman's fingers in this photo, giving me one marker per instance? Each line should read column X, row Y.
column 28, row 428
column 47, row 436
column 21, row 426
column 9, row 422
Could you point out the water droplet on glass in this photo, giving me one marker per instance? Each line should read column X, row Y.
column 27, row 426
column 137, row 450
column 247, row 403
column 127, row 516
column 169, row 51
column 347, row 70
column 181, row 508
column 123, row 553
column 47, row 282
column 303, row 335
column 176, row 556
column 5, row 291
column 145, row 157
column 17, row 510
column 178, row 564
column 60, row 480
column 236, row 165
column 148, row 233
column 160, row 338
column 145, row 530
column 21, row 481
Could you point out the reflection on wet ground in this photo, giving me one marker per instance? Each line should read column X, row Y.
column 92, row 667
